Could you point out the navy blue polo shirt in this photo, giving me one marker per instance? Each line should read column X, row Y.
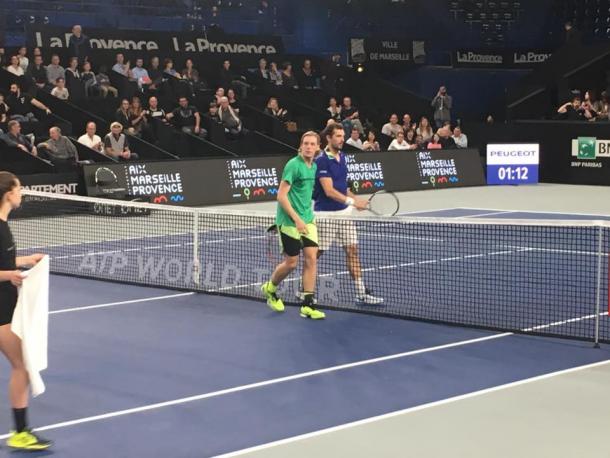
column 329, row 167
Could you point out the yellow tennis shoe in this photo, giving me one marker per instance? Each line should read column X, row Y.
column 27, row 440
column 273, row 301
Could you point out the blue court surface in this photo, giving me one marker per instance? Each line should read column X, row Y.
column 145, row 372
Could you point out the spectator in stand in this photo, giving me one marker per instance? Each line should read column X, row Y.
column 354, row 139
column 334, row 109
column 37, row 52
column 168, row 69
column 605, row 107
column 442, row 104
column 419, row 142
column 59, row 150
column 407, row 123
column 288, row 79
column 573, row 35
column 60, row 90
column 212, row 113
column 306, row 77
column 154, row 73
column 275, row 76
column 14, row 67
column 435, row 142
column 137, row 117
column 392, row 128
column 228, row 78
column 229, row 119
column 371, row 144
column 399, row 142
column 190, row 72
column 54, row 71
column 219, row 94
column 262, row 73
column 574, row 111
column 445, row 139
column 72, row 74
column 233, row 100
column 140, row 74
column 92, row 86
column 154, row 111
column 274, row 109
column 3, row 110
column 460, row 139
column 37, row 73
column 425, row 130
column 116, row 144
column 122, row 116
column 489, row 119
column 90, row 139
column 186, row 118
column 104, row 82
column 15, row 138
column 411, row 138
column 120, row 66
column 592, row 101
column 350, row 117
column 79, row 45
column 24, row 62
column 22, row 104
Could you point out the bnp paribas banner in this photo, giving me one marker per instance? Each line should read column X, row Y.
column 165, row 43
column 590, row 152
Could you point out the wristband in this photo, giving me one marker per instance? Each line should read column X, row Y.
column 349, row 201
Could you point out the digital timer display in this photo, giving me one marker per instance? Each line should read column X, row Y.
column 513, row 163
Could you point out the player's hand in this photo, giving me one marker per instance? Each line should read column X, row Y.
column 301, row 226
column 16, row 277
column 360, row 204
column 35, row 258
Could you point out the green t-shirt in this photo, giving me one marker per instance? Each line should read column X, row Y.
column 301, row 178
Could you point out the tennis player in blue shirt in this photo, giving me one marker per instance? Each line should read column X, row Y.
column 332, row 195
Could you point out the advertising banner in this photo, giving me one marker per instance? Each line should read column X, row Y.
column 513, row 163
column 499, row 58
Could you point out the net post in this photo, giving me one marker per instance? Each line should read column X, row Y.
column 196, row 264
column 600, row 235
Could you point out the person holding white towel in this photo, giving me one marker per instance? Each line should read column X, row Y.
column 22, row 438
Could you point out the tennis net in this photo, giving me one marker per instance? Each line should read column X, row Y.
column 546, row 277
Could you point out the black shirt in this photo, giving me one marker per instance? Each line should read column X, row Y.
column 184, row 117
column 8, row 261
column 21, row 105
column 347, row 112
column 573, row 115
column 38, row 74
column 123, row 118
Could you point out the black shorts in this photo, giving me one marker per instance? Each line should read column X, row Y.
column 293, row 242
column 8, row 302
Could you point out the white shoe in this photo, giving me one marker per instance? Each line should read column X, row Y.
column 369, row 299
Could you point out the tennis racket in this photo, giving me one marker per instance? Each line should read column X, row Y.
column 384, row 203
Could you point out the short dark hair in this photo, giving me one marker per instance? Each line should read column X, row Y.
column 331, row 128
column 575, row 98
column 59, row 79
column 11, row 124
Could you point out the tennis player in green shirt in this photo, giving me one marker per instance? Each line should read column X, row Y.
column 296, row 227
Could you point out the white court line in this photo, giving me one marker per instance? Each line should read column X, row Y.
column 421, row 212
column 537, row 212
column 411, row 410
column 112, row 304
column 274, row 381
column 498, row 212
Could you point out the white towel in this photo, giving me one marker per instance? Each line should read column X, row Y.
column 31, row 322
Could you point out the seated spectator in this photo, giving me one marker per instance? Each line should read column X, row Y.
column 334, row 109
column 14, row 67
column 54, row 71
column 435, row 142
column 460, row 139
column 72, row 73
column 574, row 111
column 354, row 139
column 371, row 144
column 411, row 139
column 92, row 86
column 24, row 62
column 137, row 117
column 219, row 94
column 262, row 73
column 592, row 101
column 350, row 116
column 186, row 118
column 37, row 73
column 59, row 150
column 407, row 123
column 306, row 77
column 425, row 130
column 154, row 111
column 122, row 116
column 120, row 66
column 140, row 74
column 189, row 71
column 605, row 107
column 392, row 128
column 233, row 100
column 15, row 138
column 21, row 105
column 3, row 110
column 274, row 109
column 419, row 142
column 116, row 144
column 288, row 79
column 275, row 76
column 104, row 82
column 90, row 139
column 37, row 52
column 445, row 138
column 399, row 142
column 154, row 73
column 60, row 90
column 168, row 69
column 212, row 114
column 228, row 78
column 229, row 118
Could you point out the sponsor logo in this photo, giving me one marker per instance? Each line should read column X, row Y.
column 243, row 177
column 588, row 151
column 177, row 198
column 60, row 188
column 513, row 154
column 471, row 57
column 530, row 57
column 144, row 182
column 160, row 200
column 364, row 176
column 436, row 171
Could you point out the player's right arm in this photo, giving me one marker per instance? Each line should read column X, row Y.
column 284, row 201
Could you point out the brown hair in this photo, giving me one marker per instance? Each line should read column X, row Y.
column 7, row 182
column 331, row 128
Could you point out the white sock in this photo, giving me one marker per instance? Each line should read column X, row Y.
column 360, row 288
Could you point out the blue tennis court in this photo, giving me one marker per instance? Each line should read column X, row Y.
column 140, row 371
